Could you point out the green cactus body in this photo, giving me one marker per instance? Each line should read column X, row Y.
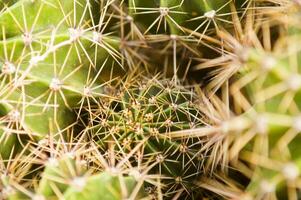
column 80, row 118
column 150, row 111
column 101, row 186
column 275, row 117
column 47, row 61
column 57, row 169
column 77, row 186
column 39, row 16
column 5, row 3
column 7, row 143
column 70, row 177
column 176, row 13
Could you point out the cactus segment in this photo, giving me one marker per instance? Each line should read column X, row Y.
column 103, row 185
column 50, row 66
column 176, row 14
column 89, row 110
column 8, row 141
column 148, row 111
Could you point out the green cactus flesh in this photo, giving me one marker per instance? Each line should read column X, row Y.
column 173, row 16
column 46, row 61
column 148, row 112
column 81, row 118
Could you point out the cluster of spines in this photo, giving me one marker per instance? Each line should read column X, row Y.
column 147, row 112
column 30, row 91
column 265, row 95
column 64, row 169
column 48, row 65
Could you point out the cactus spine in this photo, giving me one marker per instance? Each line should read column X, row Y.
column 150, row 99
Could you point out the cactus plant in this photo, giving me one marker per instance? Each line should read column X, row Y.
column 172, row 16
column 68, row 178
column 152, row 112
column 47, row 62
column 267, row 91
column 80, row 117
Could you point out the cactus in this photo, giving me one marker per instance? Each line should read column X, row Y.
column 140, row 131
column 271, row 136
column 172, row 16
column 67, row 178
column 104, row 186
column 62, row 168
column 80, row 185
column 80, row 117
column 182, row 30
column 268, row 92
column 152, row 112
column 47, row 62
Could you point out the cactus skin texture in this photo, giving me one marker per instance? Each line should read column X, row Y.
column 268, row 89
column 175, row 15
column 133, row 144
column 80, row 186
column 103, row 185
column 152, row 112
column 7, row 144
column 80, row 117
column 55, row 58
column 46, row 62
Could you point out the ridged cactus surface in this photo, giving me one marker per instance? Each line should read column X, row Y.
column 150, row 99
column 151, row 114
